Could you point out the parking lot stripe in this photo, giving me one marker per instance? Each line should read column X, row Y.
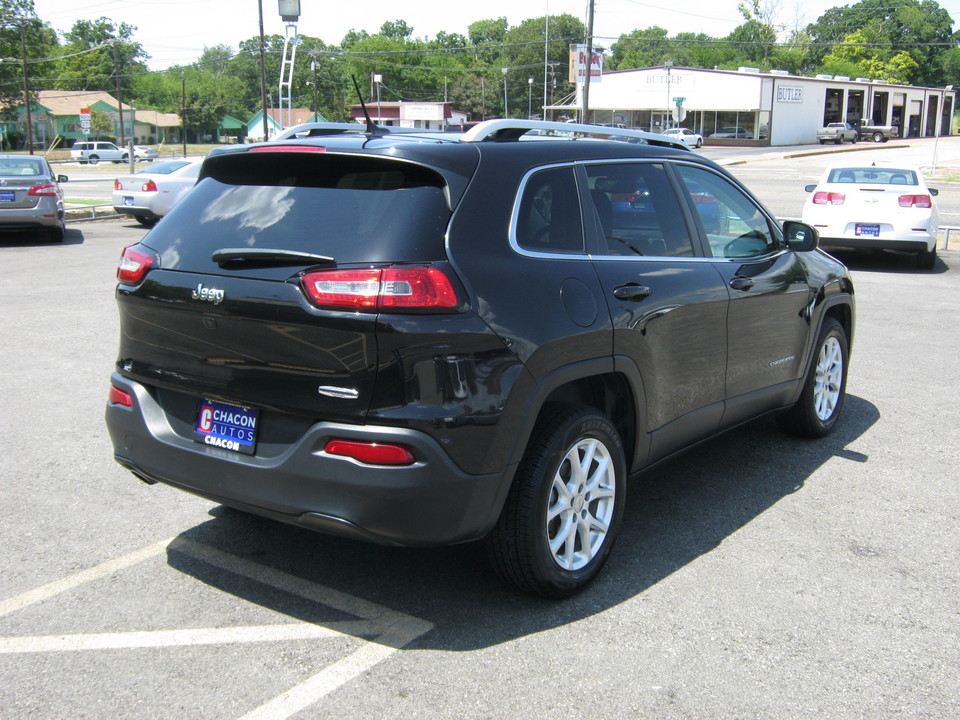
column 166, row 638
column 109, row 567
column 381, row 630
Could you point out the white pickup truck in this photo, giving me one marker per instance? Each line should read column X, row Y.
column 837, row 132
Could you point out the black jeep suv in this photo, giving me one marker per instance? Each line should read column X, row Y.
column 421, row 339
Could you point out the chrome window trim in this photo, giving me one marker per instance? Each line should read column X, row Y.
column 515, row 214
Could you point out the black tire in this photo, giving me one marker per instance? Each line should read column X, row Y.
column 519, row 545
column 838, row 140
column 93, row 159
column 855, row 139
column 824, row 389
column 878, row 137
column 926, row 259
column 823, row 142
column 146, row 221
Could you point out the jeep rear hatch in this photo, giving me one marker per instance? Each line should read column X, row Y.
column 264, row 285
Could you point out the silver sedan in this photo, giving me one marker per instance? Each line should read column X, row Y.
column 30, row 196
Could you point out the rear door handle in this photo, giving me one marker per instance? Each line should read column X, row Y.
column 742, row 283
column 631, row 292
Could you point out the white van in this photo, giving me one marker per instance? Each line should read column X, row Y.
column 93, row 152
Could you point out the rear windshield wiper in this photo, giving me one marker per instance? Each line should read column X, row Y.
column 267, row 256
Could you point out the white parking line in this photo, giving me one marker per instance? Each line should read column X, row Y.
column 84, row 576
column 389, row 630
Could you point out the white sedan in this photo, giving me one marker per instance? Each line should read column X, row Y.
column 687, row 137
column 875, row 207
column 149, row 194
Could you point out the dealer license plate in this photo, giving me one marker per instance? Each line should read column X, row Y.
column 127, row 200
column 8, row 196
column 226, row 426
column 867, row 230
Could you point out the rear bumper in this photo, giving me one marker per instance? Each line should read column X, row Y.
column 44, row 215
column 924, row 242
column 429, row 503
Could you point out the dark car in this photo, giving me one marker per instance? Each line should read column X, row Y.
column 30, row 196
column 418, row 339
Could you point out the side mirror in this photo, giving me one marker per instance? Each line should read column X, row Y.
column 800, row 237
column 62, row 178
column 934, row 191
column 809, row 188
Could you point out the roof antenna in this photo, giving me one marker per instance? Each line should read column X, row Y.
column 372, row 127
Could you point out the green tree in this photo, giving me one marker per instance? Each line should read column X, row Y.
column 96, row 51
column 101, row 124
column 920, row 28
column 754, row 40
column 523, row 56
column 19, row 28
column 642, row 48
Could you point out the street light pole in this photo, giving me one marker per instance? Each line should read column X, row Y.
column 529, row 98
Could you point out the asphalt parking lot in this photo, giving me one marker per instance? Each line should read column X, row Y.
column 757, row 576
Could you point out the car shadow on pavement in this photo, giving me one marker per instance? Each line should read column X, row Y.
column 886, row 262
column 38, row 238
column 675, row 514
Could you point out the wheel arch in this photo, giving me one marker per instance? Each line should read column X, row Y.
column 612, row 385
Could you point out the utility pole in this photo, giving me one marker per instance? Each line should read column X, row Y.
column 586, row 79
column 506, row 111
column 183, row 111
column 116, row 72
column 546, row 58
column 263, row 73
column 313, row 67
column 26, row 87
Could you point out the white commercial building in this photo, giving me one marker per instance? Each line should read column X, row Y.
column 747, row 106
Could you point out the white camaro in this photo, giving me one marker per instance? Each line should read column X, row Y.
column 150, row 194
column 875, row 207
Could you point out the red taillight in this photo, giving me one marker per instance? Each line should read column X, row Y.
column 48, row 189
column 149, row 186
column 371, row 453
column 421, row 288
column 703, row 199
column 117, row 185
column 120, row 397
column 625, row 197
column 134, row 265
column 288, row 148
column 921, row 201
column 828, row 198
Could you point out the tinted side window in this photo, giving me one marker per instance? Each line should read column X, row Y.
column 548, row 220
column 638, row 211
column 735, row 226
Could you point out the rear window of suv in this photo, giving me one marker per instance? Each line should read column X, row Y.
column 354, row 209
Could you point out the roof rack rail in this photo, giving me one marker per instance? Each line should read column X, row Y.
column 512, row 130
column 317, row 129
